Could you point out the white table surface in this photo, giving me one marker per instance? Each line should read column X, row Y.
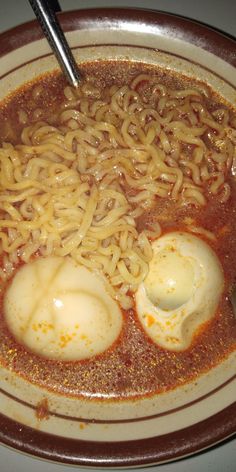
column 220, row 14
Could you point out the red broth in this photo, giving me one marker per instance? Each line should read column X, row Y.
column 134, row 366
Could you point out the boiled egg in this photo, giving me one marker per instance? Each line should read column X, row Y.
column 61, row 310
column 181, row 291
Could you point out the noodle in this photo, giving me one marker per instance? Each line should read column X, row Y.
column 77, row 185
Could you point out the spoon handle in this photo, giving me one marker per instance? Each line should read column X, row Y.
column 55, row 36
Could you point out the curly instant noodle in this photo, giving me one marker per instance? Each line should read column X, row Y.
column 78, row 187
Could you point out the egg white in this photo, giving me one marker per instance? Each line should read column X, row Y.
column 181, row 291
column 61, row 310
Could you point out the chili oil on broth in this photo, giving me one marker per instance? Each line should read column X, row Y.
column 134, row 365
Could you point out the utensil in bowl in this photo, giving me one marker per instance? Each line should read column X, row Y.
column 56, row 38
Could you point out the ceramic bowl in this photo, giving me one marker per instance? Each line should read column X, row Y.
column 162, row 427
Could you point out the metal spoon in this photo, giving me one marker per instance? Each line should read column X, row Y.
column 56, row 38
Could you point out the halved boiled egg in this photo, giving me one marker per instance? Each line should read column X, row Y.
column 61, row 310
column 181, row 291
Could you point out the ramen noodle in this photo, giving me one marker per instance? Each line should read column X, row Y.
column 77, row 186
column 98, row 174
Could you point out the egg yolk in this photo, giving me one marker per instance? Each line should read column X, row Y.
column 170, row 281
